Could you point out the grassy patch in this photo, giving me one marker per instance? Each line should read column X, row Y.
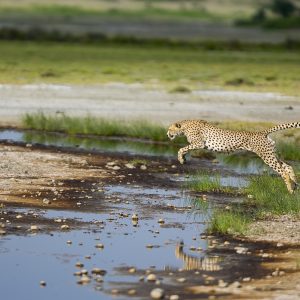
column 229, row 222
column 270, row 196
column 289, row 150
column 149, row 13
column 206, row 183
column 94, row 126
column 61, row 63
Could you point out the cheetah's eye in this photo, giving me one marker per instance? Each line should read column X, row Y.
column 178, row 125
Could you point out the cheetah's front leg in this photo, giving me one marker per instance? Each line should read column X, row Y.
column 183, row 151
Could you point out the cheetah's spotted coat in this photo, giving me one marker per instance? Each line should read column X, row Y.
column 203, row 135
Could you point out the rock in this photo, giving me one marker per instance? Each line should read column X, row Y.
column 114, row 291
column 132, row 270
column 131, row 292
column 100, row 246
column 46, row 201
column 84, row 279
column 43, row 283
column 174, row 297
column 151, row 277
column 161, row 221
column 241, row 250
column 84, row 272
column 149, row 246
column 64, row 227
column 181, row 280
column 247, row 279
column 235, row 284
column 79, row 264
column 135, row 217
column 222, row 283
column 157, row 293
column 99, row 278
column 129, row 166
column 69, row 242
column 143, row 167
column 99, row 271
column 2, row 232
column 34, row 228
column 19, row 216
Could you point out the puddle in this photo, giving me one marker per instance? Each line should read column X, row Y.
column 243, row 163
column 100, row 144
column 232, row 181
column 240, row 163
column 30, row 259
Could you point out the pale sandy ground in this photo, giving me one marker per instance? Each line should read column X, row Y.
column 122, row 101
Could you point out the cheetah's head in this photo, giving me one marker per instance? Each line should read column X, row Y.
column 176, row 129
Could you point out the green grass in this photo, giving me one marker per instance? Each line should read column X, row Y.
column 141, row 129
column 229, row 222
column 205, row 183
column 94, row 126
column 270, row 196
column 169, row 67
column 289, row 150
column 149, row 13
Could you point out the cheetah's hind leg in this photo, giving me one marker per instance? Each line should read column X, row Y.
column 272, row 161
column 291, row 173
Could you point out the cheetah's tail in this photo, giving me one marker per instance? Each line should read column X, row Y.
column 282, row 127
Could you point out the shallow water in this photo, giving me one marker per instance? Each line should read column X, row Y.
column 27, row 260
column 245, row 163
column 100, row 144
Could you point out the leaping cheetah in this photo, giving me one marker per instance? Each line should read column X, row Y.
column 203, row 135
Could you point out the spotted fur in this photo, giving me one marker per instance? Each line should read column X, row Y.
column 203, row 135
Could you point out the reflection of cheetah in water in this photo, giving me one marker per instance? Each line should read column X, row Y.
column 202, row 135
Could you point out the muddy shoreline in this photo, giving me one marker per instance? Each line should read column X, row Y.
column 96, row 194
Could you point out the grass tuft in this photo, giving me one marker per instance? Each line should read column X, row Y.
column 206, row 183
column 229, row 222
column 270, row 196
column 94, row 126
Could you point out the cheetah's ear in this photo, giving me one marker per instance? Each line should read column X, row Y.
column 177, row 125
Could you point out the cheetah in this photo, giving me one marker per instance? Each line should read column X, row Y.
column 202, row 135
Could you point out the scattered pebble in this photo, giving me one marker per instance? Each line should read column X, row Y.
column 161, row 221
column 181, row 280
column 129, row 166
column 99, row 246
column 69, row 242
column 151, row 277
column 2, row 232
column 99, row 271
column 43, row 283
column 19, row 216
column 134, row 217
column 34, row 227
column 64, row 227
column 174, row 297
column 79, row 264
column 132, row 270
column 84, row 279
column 157, row 293
column 46, row 201
column 132, row 292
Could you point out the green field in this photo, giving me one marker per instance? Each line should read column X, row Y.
column 166, row 67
